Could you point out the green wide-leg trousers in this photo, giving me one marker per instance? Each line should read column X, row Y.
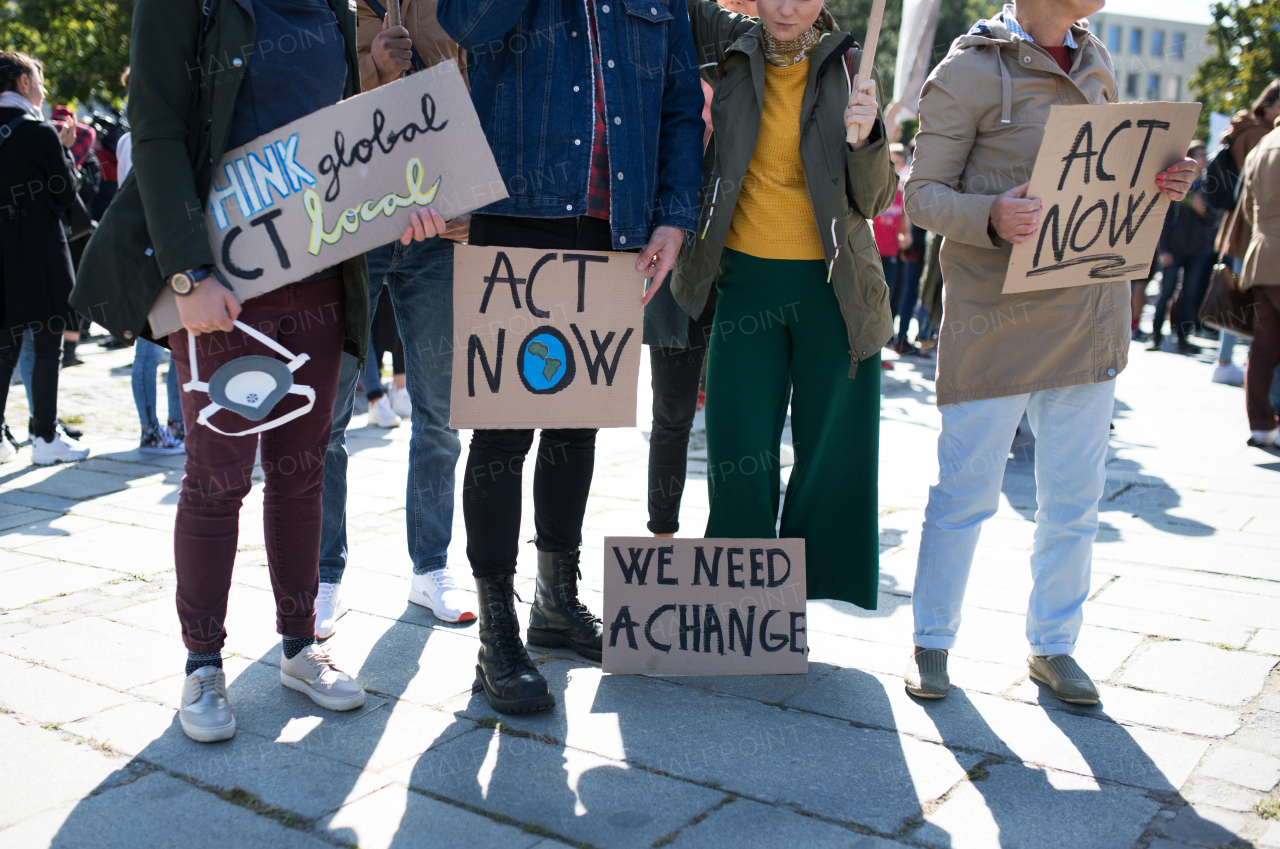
column 780, row 336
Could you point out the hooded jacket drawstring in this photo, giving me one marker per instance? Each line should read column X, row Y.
column 1006, row 88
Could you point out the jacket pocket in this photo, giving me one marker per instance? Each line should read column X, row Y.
column 646, row 25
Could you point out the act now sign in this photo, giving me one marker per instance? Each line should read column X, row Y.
column 545, row 338
column 704, row 606
column 342, row 181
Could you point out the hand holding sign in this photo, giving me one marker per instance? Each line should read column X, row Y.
column 1015, row 217
column 857, row 126
column 1176, row 182
column 211, row 307
column 391, row 50
column 860, row 114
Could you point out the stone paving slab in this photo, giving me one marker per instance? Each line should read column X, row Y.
column 1010, row 730
column 744, row 824
column 396, row 816
column 796, row 759
column 46, row 695
column 67, row 772
column 157, row 810
column 97, row 650
column 1037, row 809
column 575, row 794
column 1137, row 707
column 1199, row 671
column 44, row 579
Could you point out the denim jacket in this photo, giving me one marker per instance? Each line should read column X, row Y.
column 530, row 65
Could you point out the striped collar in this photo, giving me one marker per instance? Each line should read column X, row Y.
column 1012, row 24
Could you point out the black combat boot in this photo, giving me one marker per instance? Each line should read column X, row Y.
column 559, row 619
column 504, row 672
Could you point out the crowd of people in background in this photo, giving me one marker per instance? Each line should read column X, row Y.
column 791, row 211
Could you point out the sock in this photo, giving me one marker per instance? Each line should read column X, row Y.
column 195, row 661
column 292, row 646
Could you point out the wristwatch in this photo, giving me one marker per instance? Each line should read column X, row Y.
column 184, row 283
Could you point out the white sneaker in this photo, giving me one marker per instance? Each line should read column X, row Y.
column 1228, row 373
column 204, row 712
column 7, row 451
column 313, row 673
column 400, row 402
column 329, row 609
column 381, row 414
column 60, row 449
column 437, row 592
column 1264, row 438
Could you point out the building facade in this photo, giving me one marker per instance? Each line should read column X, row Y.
column 1155, row 59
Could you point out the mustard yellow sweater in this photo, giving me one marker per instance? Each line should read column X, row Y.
column 774, row 217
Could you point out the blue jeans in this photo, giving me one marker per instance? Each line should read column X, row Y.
column 146, row 359
column 906, row 295
column 420, row 278
column 1071, row 429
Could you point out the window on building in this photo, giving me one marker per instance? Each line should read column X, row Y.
column 1113, row 38
column 1175, row 89
column 1153, row 87
column 1179, row 45
column 1157, row 42
column 1131, row 86
column 1135, row 40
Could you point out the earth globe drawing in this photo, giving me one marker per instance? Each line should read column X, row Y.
column 546, row 361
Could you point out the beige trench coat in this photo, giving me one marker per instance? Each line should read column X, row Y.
column 1260, row 204
column 982, row 116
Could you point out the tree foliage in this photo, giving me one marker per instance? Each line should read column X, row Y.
column 84, row 44
column 1246, row 40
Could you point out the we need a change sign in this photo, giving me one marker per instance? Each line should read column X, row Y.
column 704, row 606
column 342, row 181
column 545, row 338
column 1101, row 213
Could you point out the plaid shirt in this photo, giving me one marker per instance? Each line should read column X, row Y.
column 1014, row 29
column 598, row 183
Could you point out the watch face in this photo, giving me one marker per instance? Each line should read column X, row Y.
column 181, row 283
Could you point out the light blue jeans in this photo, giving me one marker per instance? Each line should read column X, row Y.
column 420, row 277
column 1071, row 427
column 147, row 357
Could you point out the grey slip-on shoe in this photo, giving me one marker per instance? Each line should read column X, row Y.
column 926, row 674
column 1065, row 677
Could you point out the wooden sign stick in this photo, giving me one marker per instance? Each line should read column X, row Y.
column 873, row 39
column 867, row 65
column 393, row 12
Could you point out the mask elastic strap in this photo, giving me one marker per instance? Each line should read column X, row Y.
column 196, row 384
column 305, row 391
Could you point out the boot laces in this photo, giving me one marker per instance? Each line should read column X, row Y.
column 206, row 684
column 506, row 631
column 567, row 587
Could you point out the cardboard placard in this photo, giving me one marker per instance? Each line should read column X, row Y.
column 342, row 181
column 1096, row 175
column 545, row 338
column 705, row 606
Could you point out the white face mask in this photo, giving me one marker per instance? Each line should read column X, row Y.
column 251, row 385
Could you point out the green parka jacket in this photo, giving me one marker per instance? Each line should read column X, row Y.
column 180, row 110
column 846, row 187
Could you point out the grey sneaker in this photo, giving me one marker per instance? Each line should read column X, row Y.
column 312, row 671
column 205, row 713
column 1065, row 677
column 926, row 674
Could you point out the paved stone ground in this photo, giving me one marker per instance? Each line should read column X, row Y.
column 1183, row 631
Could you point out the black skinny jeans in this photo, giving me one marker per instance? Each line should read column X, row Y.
column 44, row 373
column 491, row 487
column 676, row 375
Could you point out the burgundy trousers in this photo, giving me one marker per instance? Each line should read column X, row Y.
column 1264, row 356
column 304, row 318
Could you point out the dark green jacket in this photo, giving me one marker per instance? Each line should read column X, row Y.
column 845, row 187
column 180, row 111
